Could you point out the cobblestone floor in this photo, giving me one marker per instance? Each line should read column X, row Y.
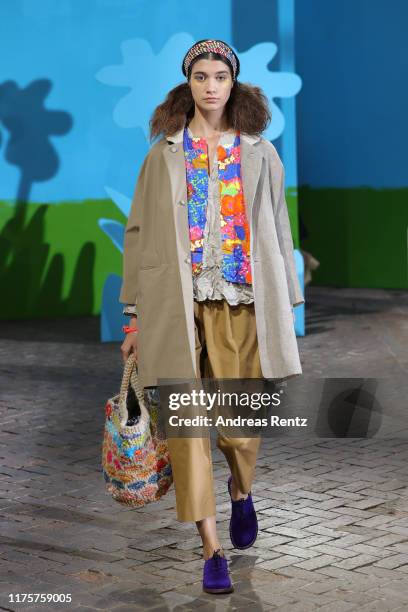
column 333, row 513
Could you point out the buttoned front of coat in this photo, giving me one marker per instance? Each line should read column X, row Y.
column 157, row 272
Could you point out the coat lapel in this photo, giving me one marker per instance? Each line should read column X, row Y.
column 251, row 165
column 174, row 156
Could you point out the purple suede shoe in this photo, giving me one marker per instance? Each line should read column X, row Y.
column 216, row 577
column 243, row 522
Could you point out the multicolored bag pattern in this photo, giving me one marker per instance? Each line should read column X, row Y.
column 135, row 458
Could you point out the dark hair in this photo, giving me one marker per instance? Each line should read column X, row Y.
column 247, row 109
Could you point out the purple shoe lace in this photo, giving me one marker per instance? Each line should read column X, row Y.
column 241, row 508
column 217, row 557
column 239, row 504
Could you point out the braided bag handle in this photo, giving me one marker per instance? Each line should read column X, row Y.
column 130, row 377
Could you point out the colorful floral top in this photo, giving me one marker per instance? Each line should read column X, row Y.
column 210, row 284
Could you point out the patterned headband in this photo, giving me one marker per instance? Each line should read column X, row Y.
column 210, row 46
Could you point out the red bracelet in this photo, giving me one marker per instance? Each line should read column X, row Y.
column 128, row 330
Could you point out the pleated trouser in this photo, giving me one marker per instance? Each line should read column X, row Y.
column 226, row 347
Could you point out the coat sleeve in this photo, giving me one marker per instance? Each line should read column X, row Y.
column 282, row 223
column 132, row 244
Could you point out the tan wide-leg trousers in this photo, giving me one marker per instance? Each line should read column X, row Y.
column 226, row 347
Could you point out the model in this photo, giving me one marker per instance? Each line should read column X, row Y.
column 209, row 276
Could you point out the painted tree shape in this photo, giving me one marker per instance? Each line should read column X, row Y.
column 30, row 125
column 24, row 251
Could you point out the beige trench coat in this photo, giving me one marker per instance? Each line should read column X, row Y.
column 157, row 275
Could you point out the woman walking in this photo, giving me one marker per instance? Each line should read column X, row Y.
column 209, row 274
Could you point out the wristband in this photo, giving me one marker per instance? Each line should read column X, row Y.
column 128, row 330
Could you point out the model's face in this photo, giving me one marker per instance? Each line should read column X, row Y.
column 210, row 79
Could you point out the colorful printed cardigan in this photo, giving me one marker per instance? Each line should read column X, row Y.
column 233, row 219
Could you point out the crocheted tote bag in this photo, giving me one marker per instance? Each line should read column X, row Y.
column 135, row 458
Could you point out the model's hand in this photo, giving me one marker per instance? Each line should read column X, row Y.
column 129, row 345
